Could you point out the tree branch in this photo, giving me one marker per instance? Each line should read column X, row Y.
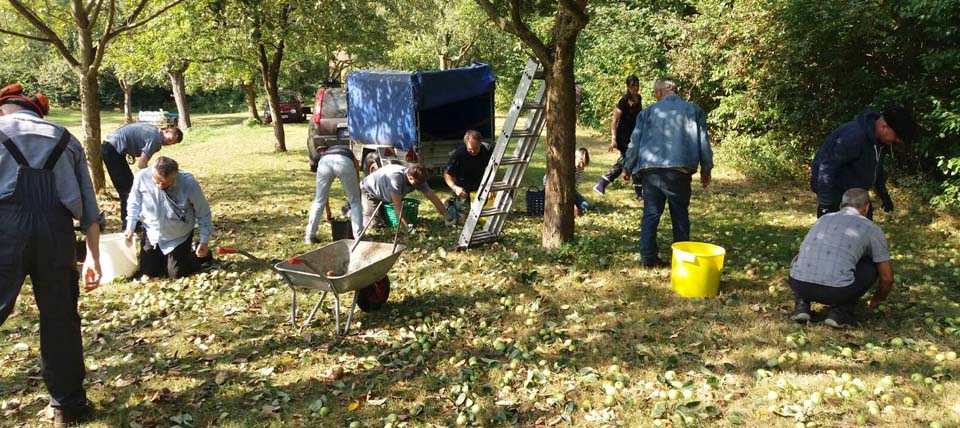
column 577, row 9
column 93, row 10
column 516, row 26
column 25, row 36
column 52, row 37
column 129, row 26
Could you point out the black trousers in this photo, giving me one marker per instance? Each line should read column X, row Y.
column 41, row 244
column 864, row 277
column 179, row 263
column 616, row 169
column 120, row 175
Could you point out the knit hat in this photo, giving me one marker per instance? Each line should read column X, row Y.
column 901, row 121
column 13, row 94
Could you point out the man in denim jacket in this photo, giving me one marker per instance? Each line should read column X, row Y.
column 668, row 143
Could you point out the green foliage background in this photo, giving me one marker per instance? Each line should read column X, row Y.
column 776, row 76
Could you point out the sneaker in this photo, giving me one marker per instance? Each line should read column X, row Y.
column 801, row 311
column 311, row 239
column 653, row 263
column 840, row 317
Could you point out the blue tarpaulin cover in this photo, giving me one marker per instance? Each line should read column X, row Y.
column 384, row 106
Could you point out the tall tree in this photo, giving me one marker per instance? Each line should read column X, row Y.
column 81, row 32
column 556, row 56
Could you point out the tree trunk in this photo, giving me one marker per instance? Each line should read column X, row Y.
column 90, row 121
column 558, row 221
column 250, row 94
column 127, row 87
column 175, row 73
column 270, row 71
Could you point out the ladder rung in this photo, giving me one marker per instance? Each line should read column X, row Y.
column 523, row 133
column 512, row 160
column 501, row 185
column 482, row 237
column 492, row 212
column 530, row 105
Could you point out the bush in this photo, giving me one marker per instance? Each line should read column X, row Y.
column 767, row 158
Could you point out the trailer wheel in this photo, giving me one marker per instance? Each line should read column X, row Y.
column 371, row 162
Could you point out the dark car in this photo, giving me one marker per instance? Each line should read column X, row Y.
column 291, row 107
column 328, row 127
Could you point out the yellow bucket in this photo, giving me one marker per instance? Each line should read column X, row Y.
column 695, row 270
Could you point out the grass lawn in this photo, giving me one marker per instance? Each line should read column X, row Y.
column 505, row 334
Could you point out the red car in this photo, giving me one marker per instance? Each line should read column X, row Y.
column 291, row 108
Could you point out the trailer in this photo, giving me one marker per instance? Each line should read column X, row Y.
column 421, row 116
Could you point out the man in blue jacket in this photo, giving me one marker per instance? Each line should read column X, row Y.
column 668, row 143
column 851, row 157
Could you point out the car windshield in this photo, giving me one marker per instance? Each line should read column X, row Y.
column 335, row 104
column 288, row 97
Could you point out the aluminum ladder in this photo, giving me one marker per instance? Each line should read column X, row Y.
column 524, row 142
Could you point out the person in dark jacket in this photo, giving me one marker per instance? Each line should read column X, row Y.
column 851, row 157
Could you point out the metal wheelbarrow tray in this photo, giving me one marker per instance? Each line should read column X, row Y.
column 356, row 264
column 364, row 266
column 353, row 265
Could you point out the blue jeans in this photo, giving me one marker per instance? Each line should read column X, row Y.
column 328, row 168
column 661, row 187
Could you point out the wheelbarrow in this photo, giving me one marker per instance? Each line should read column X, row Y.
column 340, row 267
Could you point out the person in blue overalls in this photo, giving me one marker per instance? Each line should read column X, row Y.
column 44, row 185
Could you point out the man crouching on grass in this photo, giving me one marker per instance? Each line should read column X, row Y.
column 840, row 259
column 389, row 184
column 169, row 202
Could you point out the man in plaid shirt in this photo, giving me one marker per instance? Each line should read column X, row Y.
column 842, row 257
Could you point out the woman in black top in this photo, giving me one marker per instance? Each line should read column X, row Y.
column 624, row 120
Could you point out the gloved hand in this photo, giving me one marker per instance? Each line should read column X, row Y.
column 825, row 209
column 885, row 202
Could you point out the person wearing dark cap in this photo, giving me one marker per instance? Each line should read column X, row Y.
column 44, row 185
column 851, row 157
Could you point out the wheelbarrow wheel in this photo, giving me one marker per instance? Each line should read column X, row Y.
column 373, row 296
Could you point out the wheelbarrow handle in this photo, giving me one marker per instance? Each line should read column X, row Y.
column 295, row 260
column 225, row 250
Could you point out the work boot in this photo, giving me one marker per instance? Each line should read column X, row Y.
column 801, row 311
column 63, row 419
column 653, row 263
column 601, row 186
column 840, row 317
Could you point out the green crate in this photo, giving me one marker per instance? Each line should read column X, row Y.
column 411, row 208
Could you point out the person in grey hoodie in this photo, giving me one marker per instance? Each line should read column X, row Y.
column 668, row 143
column 851, row 157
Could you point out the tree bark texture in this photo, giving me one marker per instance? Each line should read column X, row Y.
column 270, row 70
column 127, row 87
column 558, row 220
column 250, row 94
column 90, row 121
column 178, row 85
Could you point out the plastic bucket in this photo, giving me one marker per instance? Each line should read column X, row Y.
column 341, row 229
column 118, row 258
column 695, row 270
column 410, row 211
